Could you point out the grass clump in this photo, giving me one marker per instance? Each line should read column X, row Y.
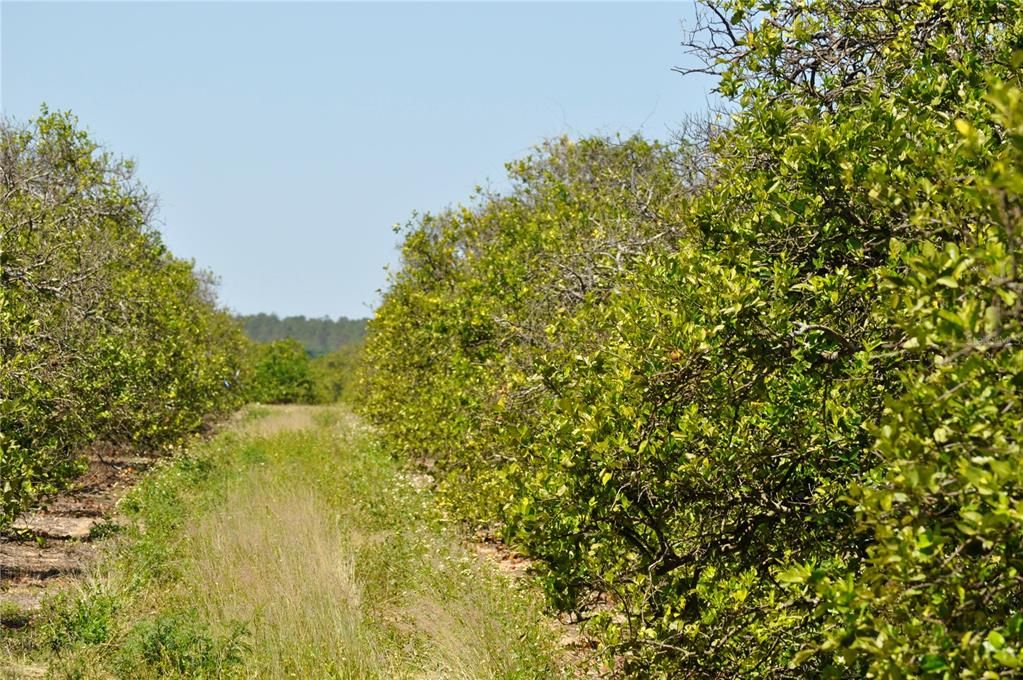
column 179, row 644
column 13, row 615
column 79, row 620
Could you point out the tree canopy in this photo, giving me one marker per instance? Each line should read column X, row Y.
column 104, row 335
column 752, row 399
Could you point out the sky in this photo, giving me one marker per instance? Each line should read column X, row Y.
column 283, row 140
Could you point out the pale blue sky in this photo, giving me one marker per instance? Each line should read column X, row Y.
column 284, row 139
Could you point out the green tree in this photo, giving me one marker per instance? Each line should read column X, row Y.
column 757, row 394
column 333, row 374
column 104, row 335
column 281, row 373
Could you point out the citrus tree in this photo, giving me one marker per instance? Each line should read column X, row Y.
column 104, row 335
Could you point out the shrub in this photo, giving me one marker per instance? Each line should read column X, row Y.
column 281, row 373
column 757, row 393
column 103, row 334
column 333, row 374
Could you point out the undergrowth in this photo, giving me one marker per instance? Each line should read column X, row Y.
column 289, row 546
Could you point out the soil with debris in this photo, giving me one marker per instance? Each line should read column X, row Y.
column 44, row 548
column 577, row 647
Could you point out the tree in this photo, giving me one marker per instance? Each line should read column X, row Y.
column 103, row 334
column 759, row 399
column 281, row 373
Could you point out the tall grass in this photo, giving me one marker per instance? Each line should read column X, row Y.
column 275, row 557
column 293, row 547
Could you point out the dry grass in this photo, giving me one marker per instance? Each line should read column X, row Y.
column 275, row 558
column 265, row 421
column 459, row 639
column 292, row 546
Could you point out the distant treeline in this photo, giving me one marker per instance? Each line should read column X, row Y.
column 318, row 336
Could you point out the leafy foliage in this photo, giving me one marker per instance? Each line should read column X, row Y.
column 757, row 394
column 280, row 373
column 334, row 374
column 104, row 335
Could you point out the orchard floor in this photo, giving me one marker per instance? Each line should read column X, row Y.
column 288, row 546
column 47, row 547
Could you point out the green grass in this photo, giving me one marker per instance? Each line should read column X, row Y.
column 290, row 546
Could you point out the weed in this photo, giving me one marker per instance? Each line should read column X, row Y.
column 13, row 615
column 104, row 530
column 78, row 619
column 178, row 643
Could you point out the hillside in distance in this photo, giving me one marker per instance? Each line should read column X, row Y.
column 318, row 336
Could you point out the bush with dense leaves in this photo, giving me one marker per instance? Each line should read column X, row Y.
column 104, row 335
column 755, row 397
column 333, row 374
column 280, row 373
